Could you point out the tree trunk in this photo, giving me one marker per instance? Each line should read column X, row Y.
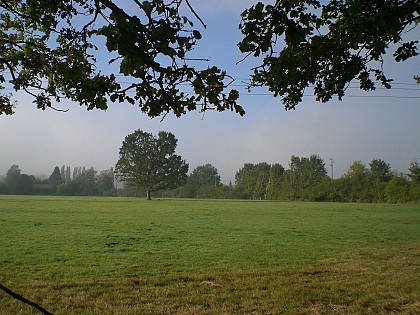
column 148, row 195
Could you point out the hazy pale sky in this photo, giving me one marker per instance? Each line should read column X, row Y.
column 364, row 126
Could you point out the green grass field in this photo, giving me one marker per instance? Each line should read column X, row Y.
column 131, row 256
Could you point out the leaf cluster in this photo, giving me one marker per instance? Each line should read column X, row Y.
column 50, row 49
column 44, row 54
column 325, row 45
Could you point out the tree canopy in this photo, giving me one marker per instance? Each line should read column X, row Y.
column 305, row 44
column 150, row 163
column 253, row 179
column 414, row 172
column 12, row 178
column 50, row 50
column 55, row 177
column 201, row 178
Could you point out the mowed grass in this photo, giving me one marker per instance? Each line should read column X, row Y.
column 132, row 256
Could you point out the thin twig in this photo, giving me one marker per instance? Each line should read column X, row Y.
column 243, row 59
column 231, row 80
column 163, row 118
column 26, row 301
column 59, row 110
column 196, row 15
column 277, row 4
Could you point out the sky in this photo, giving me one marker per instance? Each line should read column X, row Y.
column 364, row 126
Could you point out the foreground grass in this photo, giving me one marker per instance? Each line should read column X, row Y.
column 130, row 256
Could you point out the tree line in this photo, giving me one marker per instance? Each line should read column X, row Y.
column 84, row 182
column 149, row 164
column 306, row 179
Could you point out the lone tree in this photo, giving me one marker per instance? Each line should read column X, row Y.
column 150, row 162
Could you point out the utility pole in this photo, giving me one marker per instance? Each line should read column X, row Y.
column 332, row 178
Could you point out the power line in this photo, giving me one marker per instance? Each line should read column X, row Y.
column 346, row 95
column 271, row 94
column 249, row 79
column 309, row 86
